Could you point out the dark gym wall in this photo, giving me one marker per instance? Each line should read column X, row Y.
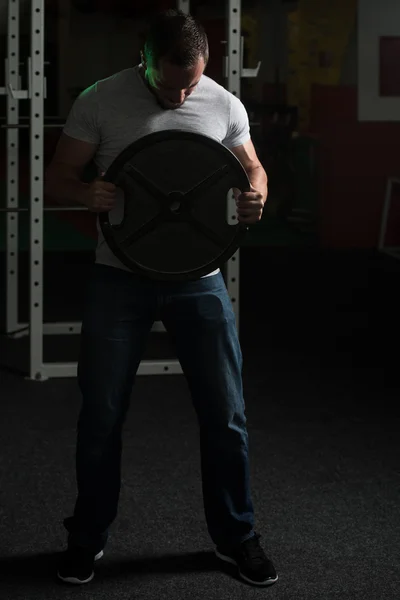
column 354, row 158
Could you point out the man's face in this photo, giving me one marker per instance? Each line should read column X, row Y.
column 172, row 84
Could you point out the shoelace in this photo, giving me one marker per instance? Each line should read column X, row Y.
column 253, row 550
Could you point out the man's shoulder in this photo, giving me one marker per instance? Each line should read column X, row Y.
column 218, row 91
column 212, row 86
column 110, row 84
column 117, row 79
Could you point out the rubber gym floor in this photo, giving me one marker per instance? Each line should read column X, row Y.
column 319, row 333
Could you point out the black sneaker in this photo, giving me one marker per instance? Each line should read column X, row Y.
column 77, row 565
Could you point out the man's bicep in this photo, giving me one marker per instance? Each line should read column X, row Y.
column 247, row 155
column 239, row 127
column 83, row 122
column 72, row 155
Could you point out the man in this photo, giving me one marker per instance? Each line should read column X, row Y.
column 168, row 90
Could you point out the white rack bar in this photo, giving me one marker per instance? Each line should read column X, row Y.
column 65, row 328
column 12, row 166
column 234, row 20
column 36, row 215
column 147, row 367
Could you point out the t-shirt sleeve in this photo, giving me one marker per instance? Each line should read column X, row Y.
column 83, row 122
column 239, row 126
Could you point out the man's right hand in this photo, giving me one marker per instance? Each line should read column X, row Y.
column 100, row 196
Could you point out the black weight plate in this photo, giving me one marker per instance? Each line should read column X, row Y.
column 175, row 186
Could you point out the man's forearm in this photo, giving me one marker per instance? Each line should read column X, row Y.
column 64, row 190
column 259, row 180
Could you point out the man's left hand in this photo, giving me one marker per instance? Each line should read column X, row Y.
column 250, row 206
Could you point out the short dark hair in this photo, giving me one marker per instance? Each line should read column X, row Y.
column 178, row 37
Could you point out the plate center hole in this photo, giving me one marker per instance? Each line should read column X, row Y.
column 175, row 201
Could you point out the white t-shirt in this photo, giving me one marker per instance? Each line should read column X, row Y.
column 115, row 112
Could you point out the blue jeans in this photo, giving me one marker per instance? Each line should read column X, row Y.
column 119, row 314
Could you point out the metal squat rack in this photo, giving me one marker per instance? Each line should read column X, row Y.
column 36, row 93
